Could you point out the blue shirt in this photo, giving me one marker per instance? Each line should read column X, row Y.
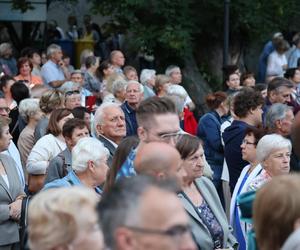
column 51, row 72
column 127, row 169
column 71, row 179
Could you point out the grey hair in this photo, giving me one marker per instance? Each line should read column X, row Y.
column 52, row 48
column 76, row 71
column 177, row 90
column 87, row 149
column 135, row 82
column 270, row 143
column 99, row 115
column 120, row 206
column 170, row 69
column 276, row 112
column 178, row 101
column 118, row 85
column 28, row 108
column 146, row 75
column 4, row 47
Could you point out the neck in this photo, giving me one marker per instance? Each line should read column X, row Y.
column 248, row 120
column 85, row 180
column 253, row 164
column 115, row 140
column 60, row 137
column 188, row 184
column 133, row 106
column 32, row 123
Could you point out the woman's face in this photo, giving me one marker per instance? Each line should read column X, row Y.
column 36, row 59
column 62, row 122
column 89, row 235
column 296, row 77
column 107, row 72
column 278, row 162
column 151, row 81
column 5, row 138
column 25, row 69
column 194, row 164
column 248, row 147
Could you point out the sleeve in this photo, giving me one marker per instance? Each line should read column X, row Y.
column 48, row 74
column 39, row 156
column 4, row 213
column 54, row 170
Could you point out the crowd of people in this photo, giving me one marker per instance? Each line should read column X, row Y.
column 102, row 157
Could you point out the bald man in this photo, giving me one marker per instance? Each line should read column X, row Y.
column 159, row 160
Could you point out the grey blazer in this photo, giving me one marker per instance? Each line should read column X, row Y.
column 200, row 232
column 111, row 148
column 9, row 231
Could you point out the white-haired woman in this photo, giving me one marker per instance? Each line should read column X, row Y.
column 29, row 110
column 7, row 62
column 64, row 219
column 273, row 152
column 147, row 78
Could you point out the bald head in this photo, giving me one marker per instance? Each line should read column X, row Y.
column 158, row 159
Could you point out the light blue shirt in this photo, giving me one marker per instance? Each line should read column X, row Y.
column 51, row 72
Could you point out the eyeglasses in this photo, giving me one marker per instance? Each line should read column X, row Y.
column 248, row 143
column 174, row 231
column 6, row 109
column 68, row 93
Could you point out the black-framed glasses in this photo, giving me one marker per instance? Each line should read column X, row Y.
column 248, row 142
column 72, row 92
column 174, row 231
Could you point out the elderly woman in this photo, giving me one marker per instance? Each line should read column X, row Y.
column 91, row 80
column 273, row 153
column 11, row 192
column 47, row 148
column 50, row 100
column 200, row 199
column 248, row 146
column 29, row 110
column 209, row 131
column 147, row 78
column 119, row 91
column 64, row 219
column 25, row 68
column 276, row 212
column 7, row 61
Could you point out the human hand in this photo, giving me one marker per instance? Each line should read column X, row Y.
column 15, row 209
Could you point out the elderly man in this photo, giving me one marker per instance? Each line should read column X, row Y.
column 175, row 75
column 117, row 60
column 141, row 213
column 109, row 126
column 133, row 97
column 89, row 166
column 160, row 160
column 54, row 72
column 73, row 130
column 157, row 121
column 279, row 119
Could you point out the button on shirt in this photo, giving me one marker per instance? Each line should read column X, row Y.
column 52, row 72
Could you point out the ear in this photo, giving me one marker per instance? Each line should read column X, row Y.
column 272, row 95
column 99, row 129
column 142, row 133
column 278, row 124
column 124, row 239
column 161, row 176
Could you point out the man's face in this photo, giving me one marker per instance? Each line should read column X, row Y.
column 113, row 126
column 155, row 216
column 4, row 110
column 284, row 126
column 77, row 78
column 282, row 95
column 57, row 56
column 119, row 59
column 133, row 94
column 176, row 76
column 77, row 134
column 159, row 126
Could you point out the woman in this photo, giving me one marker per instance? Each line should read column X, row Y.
column 273, row 153
column 91, row 80
column 147, row 78
column 47, row 147
column 11, row 193
column 104, row 71
column 209, row 131
column 276, row 212
column 30, row 112
column 64, row 219
column 25, row 68
column 199, row 197
column 248, row 146
column 36, row 61
column 49, row 101
column 5, row 85
column 162, row 82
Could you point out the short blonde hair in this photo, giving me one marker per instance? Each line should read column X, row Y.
column 53, row 216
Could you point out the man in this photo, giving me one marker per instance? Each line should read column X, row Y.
column 159, row 160
column 133, row 97
column 109, row 125
column 175, row 75
column 73, row 130
column 77, row 77
column 89, row 166
column 72, row 99
column 54, row 72
column 233, row 83
column 247, row 106
column 12, row 151
column 117, row 60
column 157, row 121
column 279, row 119
column 140, row 213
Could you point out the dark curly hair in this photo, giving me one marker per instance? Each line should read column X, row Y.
column 246, row 100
